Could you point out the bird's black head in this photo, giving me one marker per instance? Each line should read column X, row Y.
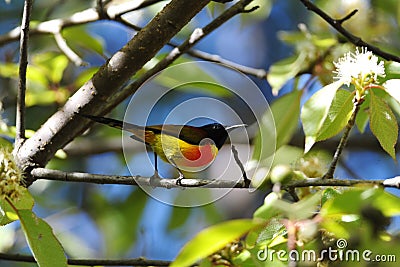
column 216, row 132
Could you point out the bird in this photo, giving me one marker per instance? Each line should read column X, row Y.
column 185, row 147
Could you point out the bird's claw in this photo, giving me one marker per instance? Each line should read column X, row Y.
column 179, row 179
column 155, row 180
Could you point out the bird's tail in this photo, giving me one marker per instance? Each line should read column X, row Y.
column 107, row 121
column 133, row 128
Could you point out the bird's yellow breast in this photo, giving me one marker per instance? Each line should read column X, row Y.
column 181, row 154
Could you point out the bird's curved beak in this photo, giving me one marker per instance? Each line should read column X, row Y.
column 233, row 127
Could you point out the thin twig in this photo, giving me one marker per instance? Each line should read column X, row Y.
column 347, row 17
column 240, row 164
column 68, row 52
column 91, row 262
column 23, row 65
column 56, row 175
column 337, row 25
column 343, row 141
column 259, row 73
column 80, row 177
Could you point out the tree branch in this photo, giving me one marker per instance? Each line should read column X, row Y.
column 344, row 139
column 80, row 177
column 23, row 65
column 91, row 262
column 337, row 25
column 93, row 97
column 258, row 73
column 68, row 52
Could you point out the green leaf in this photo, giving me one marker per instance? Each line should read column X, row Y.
column 282, row 71
column 271, row 230
column 315, row 111
column 286, row 112
column 45, row 247
column 383, row 124
column 353, row 200
column 211, row 240
column 338, row 115
column 7, row 212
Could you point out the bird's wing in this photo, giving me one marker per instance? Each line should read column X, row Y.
column 190, row 134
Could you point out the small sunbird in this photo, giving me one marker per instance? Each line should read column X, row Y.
column 185, row 147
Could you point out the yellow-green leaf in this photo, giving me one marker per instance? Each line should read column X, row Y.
column 383, row 124
column 7, row 212
column 315, row 111
column 338, row 115
column 45, row 247
column 282, row 71
column 211, row 240
column 286, row 112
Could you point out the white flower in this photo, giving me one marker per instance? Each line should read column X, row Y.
column 362, row 67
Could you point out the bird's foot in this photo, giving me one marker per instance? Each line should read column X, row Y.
column 179, row 179
column 155, row 179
